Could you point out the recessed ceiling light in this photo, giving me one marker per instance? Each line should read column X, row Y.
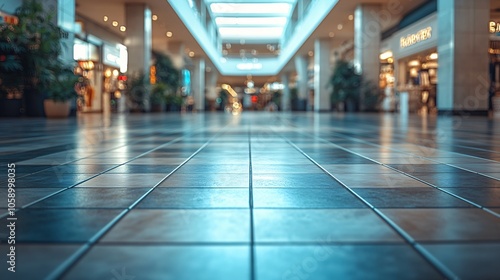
column 340, row 26
column 169, row 34
column 154, row 17
column 331, row 34
column 115, row 23
column 123, row 28
column 191, row 54
column 105, row 18
column 351, row 17
column 310, row 53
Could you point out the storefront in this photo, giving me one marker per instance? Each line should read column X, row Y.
column 409, row 65
column 103, row 66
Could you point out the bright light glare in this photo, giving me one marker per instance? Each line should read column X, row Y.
column 248, row 66
column 251, row 32
column 251, row 8
column 276, row 21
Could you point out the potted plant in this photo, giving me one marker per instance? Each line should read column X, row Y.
column 11, row 83
column 40, row 38
column 60, row 93
column 137, row 91
column 157, row 97
column 345, row 83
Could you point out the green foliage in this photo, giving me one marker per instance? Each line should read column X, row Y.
column 345, row 82
column 158, row 93
column 62, row 84
column 30, row 54
column 137, row 90
column 166, row 73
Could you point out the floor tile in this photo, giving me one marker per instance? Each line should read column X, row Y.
column 305, row 198
column 35, row 261
column 124, row 180
column 196, row 198
column 447, row 224
column 141, row 168
column 468, row 261
column 380, row 180
column 59, row 225
column 294, row 180
column 209, row 180
column 325, row 225
column 487, row 197
column 409, row 198
column 460, row 180
column 23, row 196
column 325, row 262
column 181, row 226
column 119, row 198
column 164, row 262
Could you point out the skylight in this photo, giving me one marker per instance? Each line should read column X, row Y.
column 258, row 22
column 271, row 21
column 251, row 8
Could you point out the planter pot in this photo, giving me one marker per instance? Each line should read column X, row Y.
column 157, row 107
column 11, row 107
column 56, row 109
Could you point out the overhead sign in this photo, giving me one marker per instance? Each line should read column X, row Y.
column 419, row 36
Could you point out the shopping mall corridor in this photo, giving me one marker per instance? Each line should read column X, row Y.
column 252, row 196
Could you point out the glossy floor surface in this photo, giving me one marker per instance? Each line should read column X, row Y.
column 254, row 196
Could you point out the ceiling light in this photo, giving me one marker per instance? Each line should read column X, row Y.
column 331, row 34
column 123, row 28
column 433, row 56
column 340, row 26
column 228, row 46
column 191, row 54
column 310, row 53
column 105, row 18
column 115, row 23
column 351, row 17
column 154, row 17
column 169, row 34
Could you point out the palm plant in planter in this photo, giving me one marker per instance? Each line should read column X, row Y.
column 157, row 98
column 346, row 84
column 61, row 91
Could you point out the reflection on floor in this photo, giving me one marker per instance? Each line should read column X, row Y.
column 254, row 196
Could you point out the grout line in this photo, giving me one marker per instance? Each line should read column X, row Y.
column 250, row 202
column 65, row 266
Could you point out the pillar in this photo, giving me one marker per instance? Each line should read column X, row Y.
column 322, row 73
column 66, row 20
column 285, row 98
column 302, row 88
column 211, row 88
column 367, row 43
column 138, row 41
column 463, row 77
column 198, row 82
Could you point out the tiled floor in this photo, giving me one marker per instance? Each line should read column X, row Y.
column 255, row 196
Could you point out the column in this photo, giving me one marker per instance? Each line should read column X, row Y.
column 285, row 98
column 302, row 89
column 138, row 41
column 463, row 77
column 198, row 83
column 367, row 43
column 66, row 20
column 176, row 52
column 211, row 88
column 322, row 73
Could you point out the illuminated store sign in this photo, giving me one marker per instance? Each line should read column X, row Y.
column 412, row 39
column 494, row 27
